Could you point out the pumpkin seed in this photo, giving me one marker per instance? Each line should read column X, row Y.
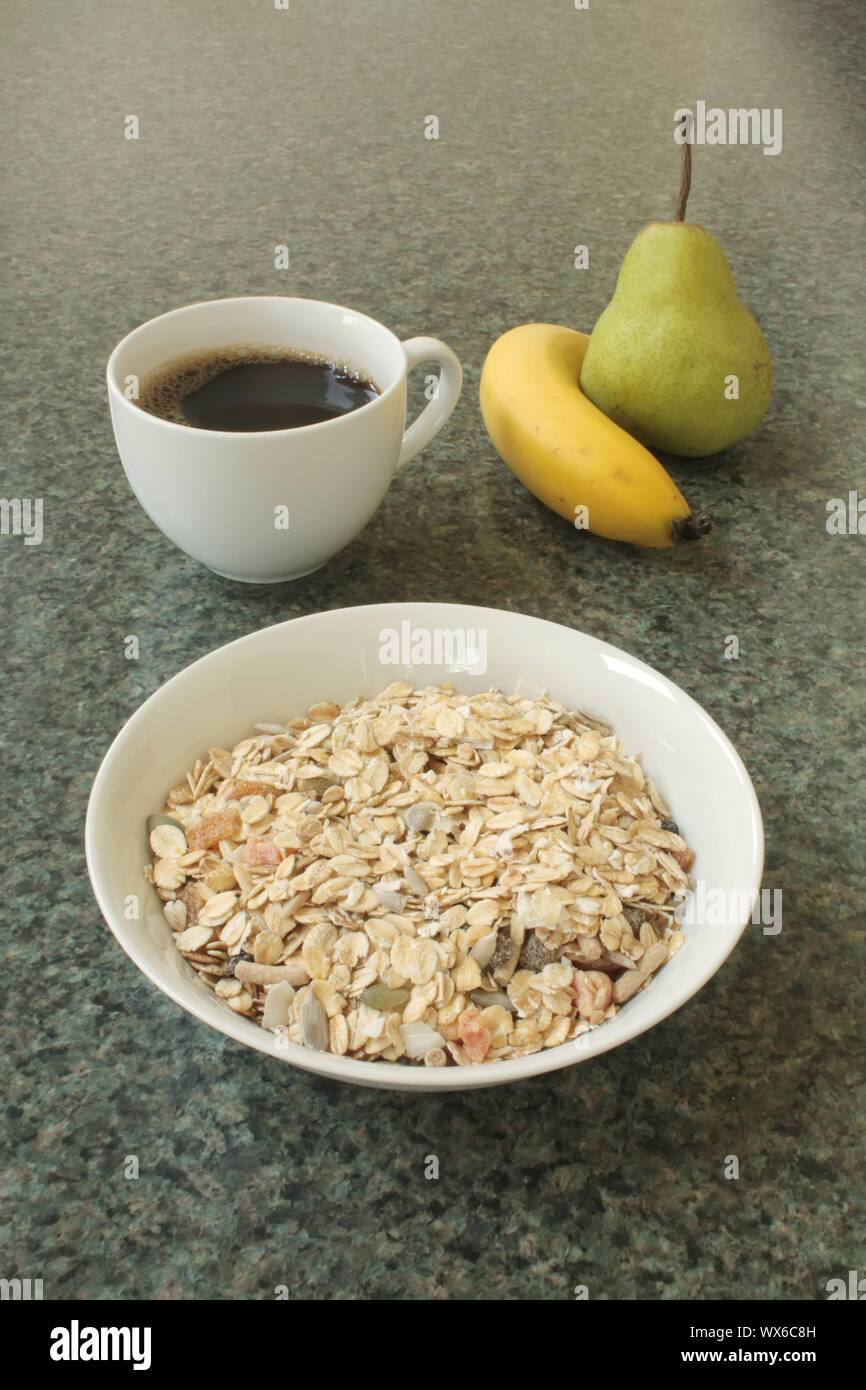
column 154, row 821
column 380, row 997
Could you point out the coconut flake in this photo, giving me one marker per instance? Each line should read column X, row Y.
column 414, row 882
column 278, row 1003
column 484, row 947
column 526, row 689
column 420, row 817
column 418, row 1038
column 395, row 902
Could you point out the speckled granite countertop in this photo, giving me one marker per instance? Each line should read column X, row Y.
column 305, row 127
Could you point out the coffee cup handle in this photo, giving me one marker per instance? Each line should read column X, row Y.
column 441, row 404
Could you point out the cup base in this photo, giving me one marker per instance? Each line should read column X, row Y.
column 283, row 579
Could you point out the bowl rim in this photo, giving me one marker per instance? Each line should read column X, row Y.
column 399, row 1075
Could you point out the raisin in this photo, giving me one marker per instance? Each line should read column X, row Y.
column 232, row 961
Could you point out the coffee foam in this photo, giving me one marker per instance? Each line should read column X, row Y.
column 163, row 391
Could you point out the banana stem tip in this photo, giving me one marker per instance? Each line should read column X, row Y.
column 692, row 527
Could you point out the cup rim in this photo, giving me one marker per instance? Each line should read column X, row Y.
column 116, row 394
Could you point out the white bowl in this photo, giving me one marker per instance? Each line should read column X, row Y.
column 276, row 673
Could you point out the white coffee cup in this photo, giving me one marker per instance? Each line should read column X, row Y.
column 275, row 505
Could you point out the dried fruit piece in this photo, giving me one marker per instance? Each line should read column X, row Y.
column 216, row 826
column 192, row 901
column 246, row 787
column 684, row 857
column 260, row 852
column 594, row 992
column 233, row 962
column 473, row 1034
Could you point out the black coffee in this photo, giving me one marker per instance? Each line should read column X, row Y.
column 251, row 388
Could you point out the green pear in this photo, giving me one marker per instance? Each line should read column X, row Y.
column 675, row 358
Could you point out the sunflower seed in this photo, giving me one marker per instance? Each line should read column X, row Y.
column 484, row 998
column 314, row 1023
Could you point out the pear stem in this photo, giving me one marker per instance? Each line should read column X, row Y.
column 685, row 182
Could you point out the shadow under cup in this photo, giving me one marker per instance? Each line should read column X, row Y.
column 269, row 506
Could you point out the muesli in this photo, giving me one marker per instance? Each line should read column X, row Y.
column 423, row 876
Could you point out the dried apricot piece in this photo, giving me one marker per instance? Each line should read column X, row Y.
column 684, row 857
column 474, row 1034
column 246, row 787
column 594, row 992
column 258, row 852
column 218, row 825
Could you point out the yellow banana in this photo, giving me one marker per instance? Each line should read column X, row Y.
column 566, row 451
